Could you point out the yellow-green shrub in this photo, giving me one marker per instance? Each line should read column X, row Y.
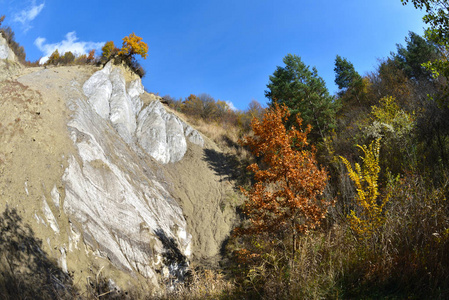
column 365, row 178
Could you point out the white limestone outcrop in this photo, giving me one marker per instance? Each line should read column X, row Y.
column 114, row 198
column 160, row 133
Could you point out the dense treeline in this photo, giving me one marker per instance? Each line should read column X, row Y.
column 384, row 142
column 380, row 226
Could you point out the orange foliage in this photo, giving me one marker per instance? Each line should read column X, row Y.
column 287, row 195
column 91, row 55
column 132, row 45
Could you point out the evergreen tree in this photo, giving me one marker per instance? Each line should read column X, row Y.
column 304, row 92
column 345, row 74
column 350, row 83
column 412, row 57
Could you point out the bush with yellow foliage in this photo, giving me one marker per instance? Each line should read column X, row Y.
column 370, row 215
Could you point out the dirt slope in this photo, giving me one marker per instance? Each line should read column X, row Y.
column 35, row 145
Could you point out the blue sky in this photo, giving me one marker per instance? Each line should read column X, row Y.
column 224, row 48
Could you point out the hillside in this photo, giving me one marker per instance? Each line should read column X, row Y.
column 131, row 198
column 110, row 192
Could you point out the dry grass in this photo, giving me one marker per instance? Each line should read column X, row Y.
column 203, row 284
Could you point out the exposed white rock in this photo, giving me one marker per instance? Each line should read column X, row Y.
column 55, row 197
column 122, row 114
column 39, row 220
column 176, row 141
column 98, row 89
column 151, row 133
column 135, row 89
column 193, row 135
column 112, row 193
column 74, row 237
column 161, row 134
column 63, row 259
column 5, row 51
column 49, row 216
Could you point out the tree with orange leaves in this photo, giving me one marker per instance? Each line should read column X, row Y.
column 133, row 45
column 287, row 195
column 91, row 56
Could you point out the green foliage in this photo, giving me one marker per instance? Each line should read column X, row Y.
column 410, row 59
column 351, row 84
column 436, row 16
column 390, row 80
column 396, row 128
column 304, row 92
column 345, row 74
column 390, row 121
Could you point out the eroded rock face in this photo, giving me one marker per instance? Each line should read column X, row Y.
column 113, row 195
column 93, row 194
column 120, row 215
column 160, row 134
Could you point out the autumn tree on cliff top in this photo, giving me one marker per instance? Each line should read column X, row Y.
column 133, row 45
column 287, row 195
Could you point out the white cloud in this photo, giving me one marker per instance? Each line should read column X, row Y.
column 231, row 105
column 70, row 43
column 29, row 14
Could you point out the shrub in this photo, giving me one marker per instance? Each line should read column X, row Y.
column 369, row 217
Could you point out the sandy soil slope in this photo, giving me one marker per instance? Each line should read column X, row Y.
column 35, row 146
